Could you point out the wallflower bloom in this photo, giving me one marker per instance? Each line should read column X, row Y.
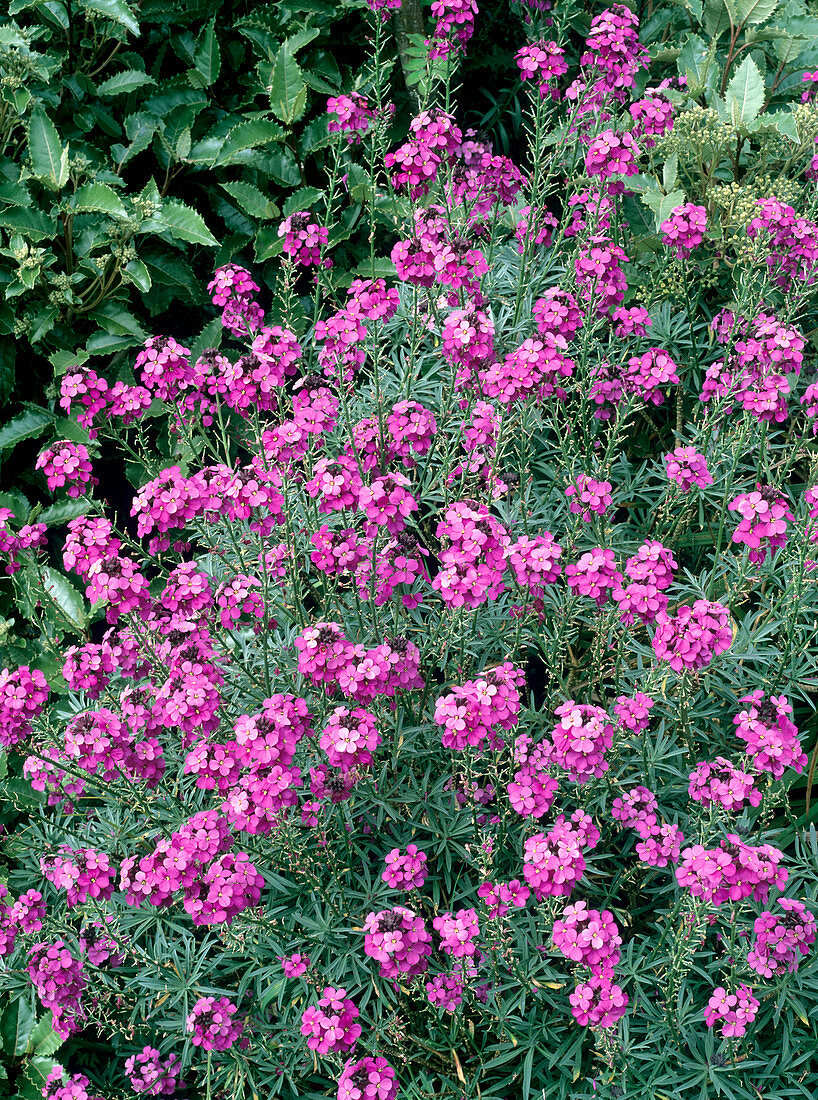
column 368, row 1078
column 398, row 940
column 599, row 1002
column 553, row 861
column 781, row 939
column 544, row 62
column 405, row 870
column 694, row 636
column 67, row 463
column 771, row 736
column 732, row 871
column 724, row 784
column 581, row 739
column 735, row 1010
column 687, row 467
column 763, row 527
column 684, row 229
column 332, row 1025
column 587, row 496
column 588, row 937
column 303, row 239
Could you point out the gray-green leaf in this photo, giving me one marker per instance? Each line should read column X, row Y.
column 49, row 160
column 751, row 13
column 745, row 93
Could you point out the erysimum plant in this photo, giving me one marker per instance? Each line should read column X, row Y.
column 435, row 731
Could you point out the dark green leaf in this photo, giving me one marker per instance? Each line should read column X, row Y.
column 31, row 223
column 185, row 224
column 64, row 511
column 248, row 135
column 138, row 274
column 268, row 243
column 98, row 198
column 303, row 199
column 27, row 425
column 16, row 1025
column 43, row 1040
column 207, row 57
column 287, row 88
column 8, row 355
column 209, row 337
column 122, row 83
column 66, row 597
column 115, row 10
column 251, row 200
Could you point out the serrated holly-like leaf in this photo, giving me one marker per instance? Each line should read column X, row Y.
column 138, row 274
column 207, row 56
column 63, row 511
column 185, row 224
column 251, row 200
column 662, row 205
column 28, row 424
column 45, row 150
column 17, row 504
column 44, row 1040
column 139, row 129
column 122, row 83
column 287, row 88
column 383, row 268
column 16, row 1025
column 31, row 223
column 115, row 10
column 98, row 198
column 301, row 39
column 66, row 597
column 744, row 97
column 302, row 199
column 37, row 1072
column 248, row 135
column 116, row 320
column 716, row 17
column 751, row 13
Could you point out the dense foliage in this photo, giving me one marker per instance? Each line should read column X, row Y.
column 434, row 719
